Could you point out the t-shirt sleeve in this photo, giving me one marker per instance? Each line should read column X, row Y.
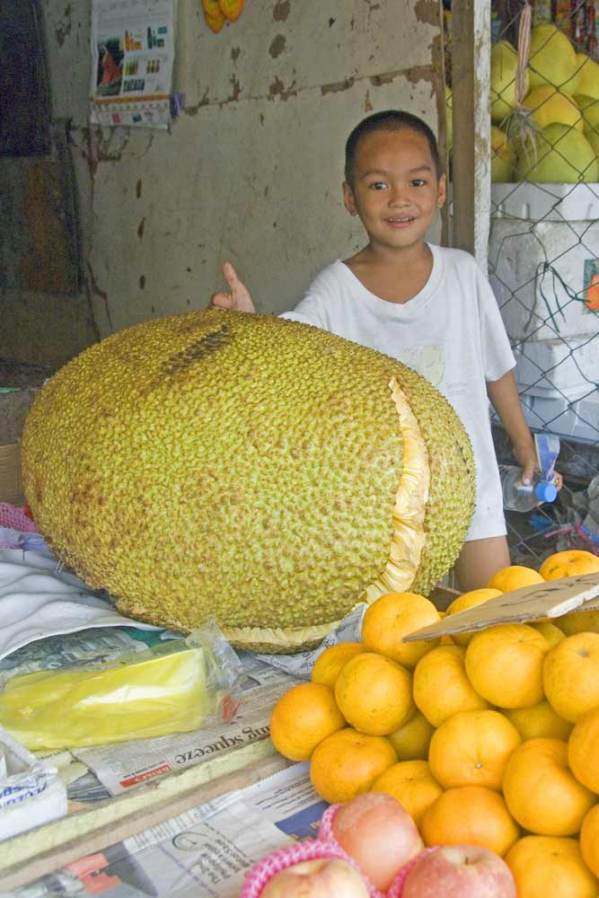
column 497, row 355
column 312, row 308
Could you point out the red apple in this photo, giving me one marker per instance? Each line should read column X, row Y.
column 378, row 833
column 459, row 871
column 324, row 878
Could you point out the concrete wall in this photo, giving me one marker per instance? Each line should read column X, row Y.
column 250, row 172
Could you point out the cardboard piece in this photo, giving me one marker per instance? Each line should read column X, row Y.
column 550, row 599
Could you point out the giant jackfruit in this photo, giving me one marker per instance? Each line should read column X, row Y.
column 259, row 470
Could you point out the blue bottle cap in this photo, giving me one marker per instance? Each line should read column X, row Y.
column 545, row 491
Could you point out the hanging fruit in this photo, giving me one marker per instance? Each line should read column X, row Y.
column 215, row 18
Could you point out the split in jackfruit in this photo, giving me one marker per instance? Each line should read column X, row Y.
column 252, row 468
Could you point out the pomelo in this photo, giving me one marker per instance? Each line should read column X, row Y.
column 561, row 155
column 552, row 59
column 504, row 62
column 503, row 155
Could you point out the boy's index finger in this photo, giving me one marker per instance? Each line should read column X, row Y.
column 230, row 275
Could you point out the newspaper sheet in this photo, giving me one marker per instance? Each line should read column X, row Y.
column 133, row 46
column 121, row 766
column 203, row 853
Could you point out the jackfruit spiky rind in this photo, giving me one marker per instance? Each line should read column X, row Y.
column 235, row 465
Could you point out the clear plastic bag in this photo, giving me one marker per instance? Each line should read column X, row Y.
column 174, row 687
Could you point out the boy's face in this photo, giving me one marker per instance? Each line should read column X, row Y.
column 395, row 188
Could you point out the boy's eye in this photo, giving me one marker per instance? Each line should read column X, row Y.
column 418, row 182
column 377, row 185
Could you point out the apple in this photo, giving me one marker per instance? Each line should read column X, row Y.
column 459, row 871
column 322, row 878
column 376, row 831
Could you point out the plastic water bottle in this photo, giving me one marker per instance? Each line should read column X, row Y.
column 518, row 496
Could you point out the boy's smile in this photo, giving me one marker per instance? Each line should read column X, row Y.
column 395, row 188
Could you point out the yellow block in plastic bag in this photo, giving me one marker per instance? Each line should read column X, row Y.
column 164, row 694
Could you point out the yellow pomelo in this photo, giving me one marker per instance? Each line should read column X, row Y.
column 571, row 676
column 505, row 665
column 412, row 784
column 541, row 793
column 393, row 616
column 548, row 105
column 329, row 663
column 441, row 686
column 552, row 633
column 569, row 563
column 374, row 694
column 552, row 59
column 470, row 600
column 539, row 722
column 504, row 62
column 411, row 741
column 589, row 108
column 513, row 577
column 560, row 155
column 546, row 866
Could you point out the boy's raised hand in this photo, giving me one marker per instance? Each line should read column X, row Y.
column 237, row 297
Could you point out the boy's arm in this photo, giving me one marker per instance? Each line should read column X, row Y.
column 503, row 394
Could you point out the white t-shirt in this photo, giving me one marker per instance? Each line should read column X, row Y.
column 451, row 332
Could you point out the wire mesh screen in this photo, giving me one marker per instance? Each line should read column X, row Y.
column 544, row 249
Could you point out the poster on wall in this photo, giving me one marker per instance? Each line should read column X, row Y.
column 133, row 47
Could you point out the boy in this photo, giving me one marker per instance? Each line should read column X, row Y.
column 428, row 306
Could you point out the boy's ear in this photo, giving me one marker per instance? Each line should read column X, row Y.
column 442, row 191
column 348, row 199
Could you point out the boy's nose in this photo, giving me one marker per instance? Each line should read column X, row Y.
column 398, row 196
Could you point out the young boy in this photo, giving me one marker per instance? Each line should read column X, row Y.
column 428, row 306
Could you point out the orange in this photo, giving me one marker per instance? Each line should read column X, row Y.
column 470, row 600
column 472, row 749
column 413, row 784
column 571, row 675
column 391, row 618
column 551, row 632
column 374, row 694
column 541, row 792
column 327, row 666
column 302, row 718
column 470, row 815
column 583, row 750
column 347, row 763
column 550, row 867
column 579, row 622
column 539, row 721
column 505, row 665
column 589, row 840
column 568, row 564
column 441, row 686
column 514, row 577
column 411, row 741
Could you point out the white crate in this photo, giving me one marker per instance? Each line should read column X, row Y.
column 558, row 368
column 31, row 792
column 539, row 271
column 550, row 202
column 578, row 420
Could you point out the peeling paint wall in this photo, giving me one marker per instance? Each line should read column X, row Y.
column 252, row 170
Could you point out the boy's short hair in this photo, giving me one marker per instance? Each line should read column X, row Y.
column 389, row 120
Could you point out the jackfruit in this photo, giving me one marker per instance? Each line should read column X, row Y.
column 254, row 469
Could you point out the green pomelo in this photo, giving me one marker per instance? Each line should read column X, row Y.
column 561, row 155
column 590, row 111
column 588, row 76
column 504, row 63
column 246, row 467
column 552, row 59
column 549, row 106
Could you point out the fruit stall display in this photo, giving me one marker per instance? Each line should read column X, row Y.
column 488, row 738
column 552, row 135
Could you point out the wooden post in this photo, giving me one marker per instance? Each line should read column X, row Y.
column 471, row 170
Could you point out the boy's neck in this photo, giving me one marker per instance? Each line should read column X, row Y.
column 393, row 274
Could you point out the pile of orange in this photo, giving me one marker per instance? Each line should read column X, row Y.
column 489, row 739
